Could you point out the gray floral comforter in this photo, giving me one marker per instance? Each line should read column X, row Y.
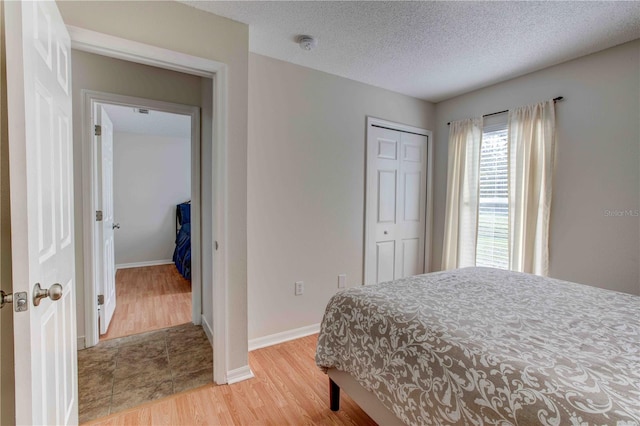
column 482, row 346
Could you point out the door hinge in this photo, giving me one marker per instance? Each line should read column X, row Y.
column 99, row 216
column 100, row 299
column 216, row 245
column 97, row 130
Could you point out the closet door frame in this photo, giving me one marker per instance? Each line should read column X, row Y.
column 370, row 193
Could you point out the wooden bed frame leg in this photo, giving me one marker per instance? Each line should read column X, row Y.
column 334, row 395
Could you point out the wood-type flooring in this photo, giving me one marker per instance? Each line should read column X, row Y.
column 288, row 389
column 149, row 298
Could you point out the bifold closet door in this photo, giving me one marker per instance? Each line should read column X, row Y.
column 396, row 204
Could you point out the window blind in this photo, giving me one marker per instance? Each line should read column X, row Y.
column 492, row 247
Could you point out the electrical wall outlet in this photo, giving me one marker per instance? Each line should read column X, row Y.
column 342, row 280
column 299, row 288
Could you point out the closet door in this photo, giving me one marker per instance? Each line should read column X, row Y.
column 395, row 204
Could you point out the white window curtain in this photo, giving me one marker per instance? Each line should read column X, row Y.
column 461, row 220
column 531, row 158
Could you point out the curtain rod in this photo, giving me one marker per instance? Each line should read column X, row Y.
column 559, row 98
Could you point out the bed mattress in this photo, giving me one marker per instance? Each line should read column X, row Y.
column 485, row 346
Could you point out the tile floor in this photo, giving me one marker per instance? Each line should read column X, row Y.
column 121, row 373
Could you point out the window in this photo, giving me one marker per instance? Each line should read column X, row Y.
column 492, row 247
column 498, row 194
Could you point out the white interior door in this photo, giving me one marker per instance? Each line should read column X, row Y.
column 107, row 270
column 41, row 182
column 396, row 204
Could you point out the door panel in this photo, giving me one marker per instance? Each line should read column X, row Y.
column 412, row 187
column 68, row 352
column 41, row 181
column 386, row 196
column 50, row 333
column 44, row 147
column 412, row 151
column 387, row 149
column 410, row 257
column 385, row 260
column 65, row 169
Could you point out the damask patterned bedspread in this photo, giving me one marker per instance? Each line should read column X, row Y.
column 482, row 346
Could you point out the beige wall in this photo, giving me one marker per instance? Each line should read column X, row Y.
column 7, row 394
column 99, row 73
column 174, row 26
column 151, row 175
column 598, row 162
column 306, row 186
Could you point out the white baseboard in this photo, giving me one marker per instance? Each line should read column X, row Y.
column 233, row 376
column 285, row 336
column 142, row 264
column 239, row 374
column 207, row 329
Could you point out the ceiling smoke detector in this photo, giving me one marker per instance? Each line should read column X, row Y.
column 307, row 42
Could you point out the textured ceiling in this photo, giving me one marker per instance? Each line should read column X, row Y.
column 127, row 119
column 432, row 50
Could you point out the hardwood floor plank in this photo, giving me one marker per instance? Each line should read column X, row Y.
column 149, row 298
column 288, row 389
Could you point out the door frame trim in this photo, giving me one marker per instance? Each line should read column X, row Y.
column 428, row 228
column 119, row 48
column 90, row 99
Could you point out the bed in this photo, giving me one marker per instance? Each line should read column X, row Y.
column 484, row 346
column 182, row 252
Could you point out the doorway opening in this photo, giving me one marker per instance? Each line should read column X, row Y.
column 143, row 166
column 214, row 184
column 145, row 255
column 140, row 150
